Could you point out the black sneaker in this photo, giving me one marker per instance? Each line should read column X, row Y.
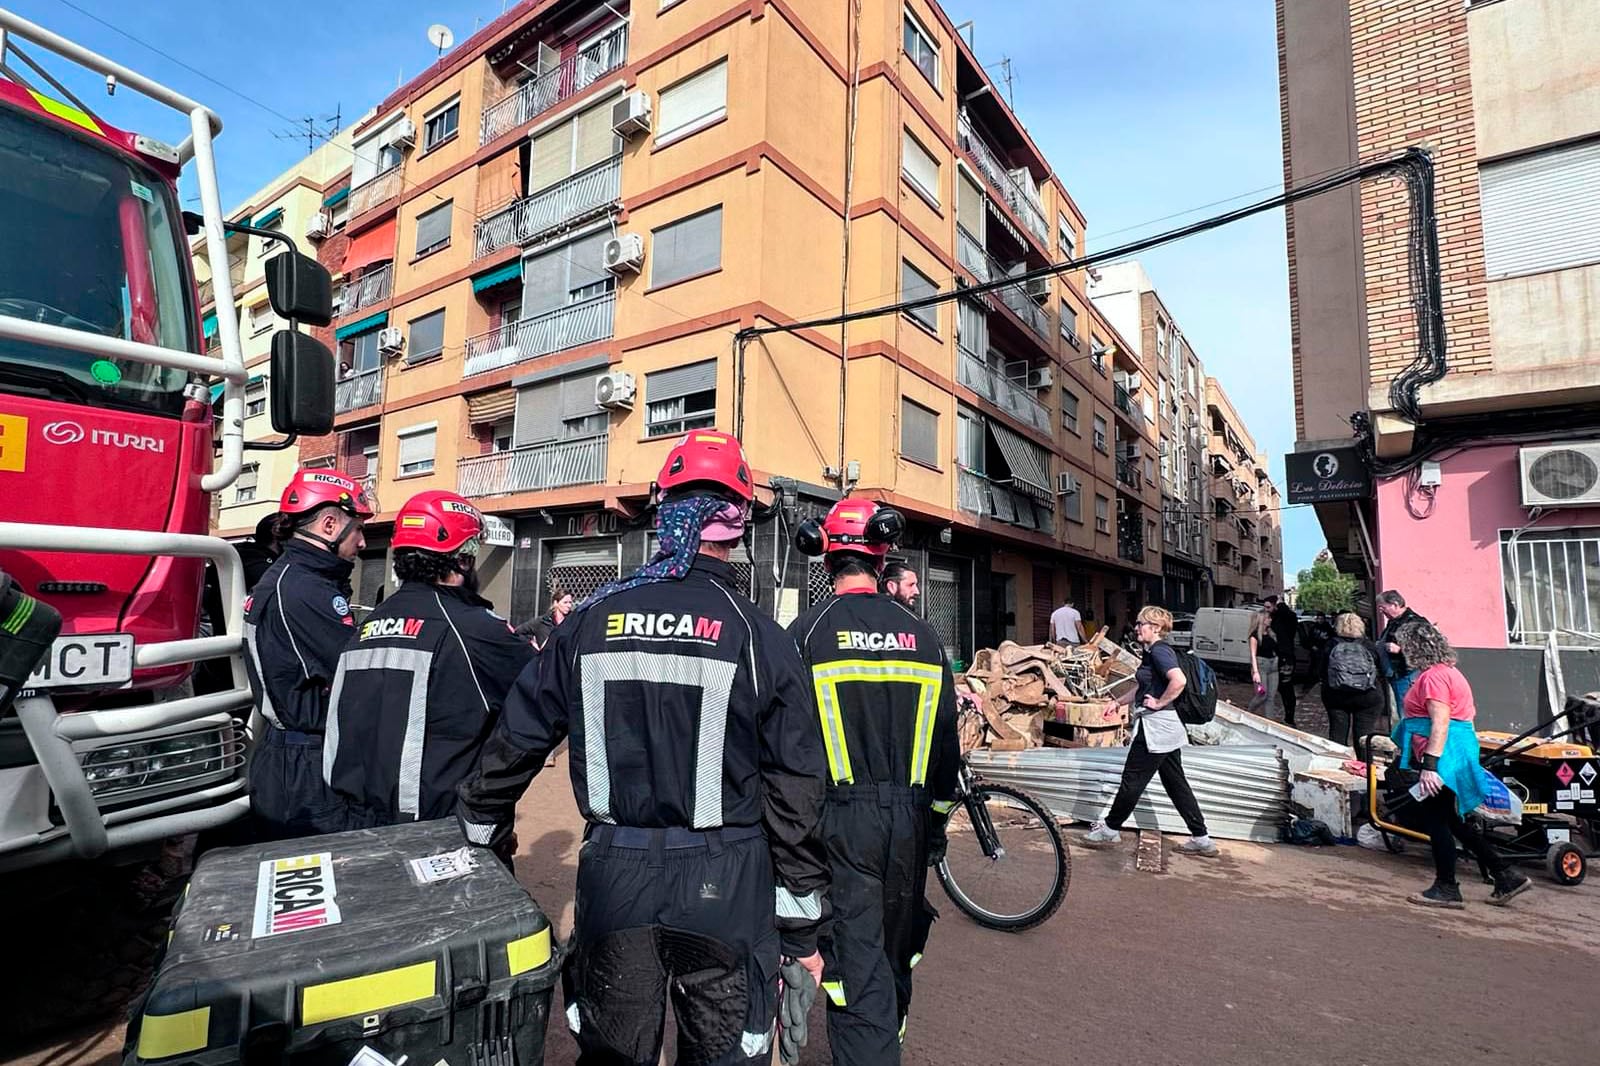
column 1511, row 885
column 1444, row 896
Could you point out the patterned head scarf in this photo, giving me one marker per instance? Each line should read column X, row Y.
column 679, row 524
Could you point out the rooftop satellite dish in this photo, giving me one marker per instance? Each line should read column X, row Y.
column 440, row 37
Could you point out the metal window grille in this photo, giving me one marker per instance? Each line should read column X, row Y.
column 942, row 602
column 1552, row 584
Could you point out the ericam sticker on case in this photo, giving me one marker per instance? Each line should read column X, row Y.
column 294, row 894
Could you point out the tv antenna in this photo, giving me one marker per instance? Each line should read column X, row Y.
column 440, row 37
column 315, row 130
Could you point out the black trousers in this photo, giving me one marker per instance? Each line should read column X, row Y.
column 288, row 797
column 1142, row 765
column 1437, row 814
column 877, row 838
column 1286, row 686
column 673, row 915
column 1352, row 714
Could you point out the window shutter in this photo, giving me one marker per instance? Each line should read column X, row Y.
column 586, row 258
column 687, row 247
column 680, row 381
column 969, row 206
column 544, row 285
column 594, row 137
column 551, row 157
column 417, row 447
column 577, row 396
column 538, row 415
column 597, row 551
column 922, row 167
column 1541, row 212
column 433, row 227
column 919, row 432
column 693, row 99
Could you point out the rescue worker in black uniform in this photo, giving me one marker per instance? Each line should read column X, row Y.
column 423, row 683
column 887, row 709
column 697, row 764
column 296, row 621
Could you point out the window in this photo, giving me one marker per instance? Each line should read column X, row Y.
column 1149, row 470
column 970, row 449
column 340, row 214
column 693, row 103
column 417, row 449
column 260, row 318
column 1069, row 323
column 1552, row 584
column 1538, row 211
column 1102, row 515
column 1066, row 239
column 255, row 399
column 433, row 229
column 919, row 432
column 360, row 353
column 1161, row 340
column 584, row 141
column 441, row 125
column 1072, row 500
column 914, row 285
column 680, row 399
column 1097, row 353
column 920, row 48
column 425, row 339
column 920, row 168
column 1069, row 411
column 321, row 462
column 568, row 274
column 389, row 157
column 686, row 248
column 244, row 487
column 554, row 410
column 1149, row 409
column 1150, row 532
column 500, row 435
column 1100, row 435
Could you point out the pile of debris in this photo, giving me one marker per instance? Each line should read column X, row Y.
column 1010, row 692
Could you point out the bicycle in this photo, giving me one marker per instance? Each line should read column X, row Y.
column 1006, row 866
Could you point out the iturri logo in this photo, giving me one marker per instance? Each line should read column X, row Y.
column 62, row 433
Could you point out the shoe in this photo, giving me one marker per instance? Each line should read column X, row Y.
column 1447, row 897
column 1198, row 848
column 1100, row 835
column 1508, row 888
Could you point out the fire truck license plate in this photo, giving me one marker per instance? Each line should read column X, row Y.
column 95, row 659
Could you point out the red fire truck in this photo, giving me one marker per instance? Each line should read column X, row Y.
column 108, row 463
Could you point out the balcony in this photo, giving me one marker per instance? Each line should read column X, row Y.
column 1014, row 399
column 553, row 331
column 235, row 277
column 999, row 175
column 534, row 467
column 1122, row 399
column 374, row 191
column 977, row 495
column 1128, row 473
column 1227, row 532
column 373, row 287
column 1130, row 550
column 358, row 391
column 970, row 254
column 584, row 195
column 1224, row 575
column 537, row 95
column 1014, row 298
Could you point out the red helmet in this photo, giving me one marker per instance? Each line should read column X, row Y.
column 438, row 521
column 311, row 489
column 705, row 456
column 853, row 525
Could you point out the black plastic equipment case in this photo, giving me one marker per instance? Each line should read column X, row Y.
column 304, row 951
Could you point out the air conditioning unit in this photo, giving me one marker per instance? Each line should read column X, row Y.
column 403, row 134
column 391, row 340
column 1066, row 484
column 1561, row 475
column 615, row 391
column 1038, row 289
column 631, row 115
column 1042, row 378
column 1122, row 505
column 1135, row 382
column 319, row 226
column 625, row 254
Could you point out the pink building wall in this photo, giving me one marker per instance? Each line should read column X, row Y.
column 1448, row 565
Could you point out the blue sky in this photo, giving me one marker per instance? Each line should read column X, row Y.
column 1147, row 108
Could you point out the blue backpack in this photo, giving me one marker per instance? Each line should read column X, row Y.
column 1197, row 703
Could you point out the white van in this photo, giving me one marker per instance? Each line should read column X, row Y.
column 1221, row 637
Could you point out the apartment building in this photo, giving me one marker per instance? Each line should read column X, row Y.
column 1176, row 405
column 1247, row 541
column 556, row 234
column 290, row 204
column 1484, row 509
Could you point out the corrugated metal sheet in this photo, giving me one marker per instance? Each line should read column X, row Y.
column 1541, row 211
column 1243, row 790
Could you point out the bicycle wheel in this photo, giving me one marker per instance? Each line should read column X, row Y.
column 1007, row 866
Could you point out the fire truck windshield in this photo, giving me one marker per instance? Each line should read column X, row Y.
column 91, row 241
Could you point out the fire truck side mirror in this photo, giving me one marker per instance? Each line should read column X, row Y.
column 300, row 289
column 301, row 384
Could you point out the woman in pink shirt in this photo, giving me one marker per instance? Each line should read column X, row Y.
column 1437, row 737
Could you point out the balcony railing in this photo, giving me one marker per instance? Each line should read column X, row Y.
column 1123, row 399
column 574, row 199
column 374, row 191
column 970, row 253
column 999, row 175
column 1128, row 473
column 537, row 95
column 977, row 495
column 1131, row 550
column 373, row 287
column 1028, row 310
column 553, row 331
column 1004, row 393
column 358, row 391
column 534, row 467
column 1014, row 297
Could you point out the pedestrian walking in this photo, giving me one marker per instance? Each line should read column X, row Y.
column 1396, row 614
column 1348, row 671
column 1159, row 737
column 1436, row 736
column 1285, row 631
column 887, row 708
column 1263, row 662
column 699, row 768
column 538, row 631
column 899, row 583
column 297, row 620
column 422, row 684
column 1066, row 624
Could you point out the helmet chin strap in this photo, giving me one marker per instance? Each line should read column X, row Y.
column 332, row 545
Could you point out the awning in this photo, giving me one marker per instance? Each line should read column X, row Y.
column 498, row 276
column 268, row 219
column 335, row 199
column 486, row 408
column 209, row 324
column 374, row 245
column 1028, row 465
column 365, row 325
column 216, row 390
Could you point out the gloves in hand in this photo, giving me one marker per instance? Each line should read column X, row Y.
column 938, row 844
column 799, row 992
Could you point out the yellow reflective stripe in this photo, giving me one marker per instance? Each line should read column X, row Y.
column 164, row 1035
column 365, row 995
column 903, row 1028
column 529, row 953
column 943, row 806
column 922, row 746
column 916, row 959
column 835, row 990
column 69, row 114
column 929, row 680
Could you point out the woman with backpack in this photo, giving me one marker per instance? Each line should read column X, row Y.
column 1351, row 682
column 1158, row 738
